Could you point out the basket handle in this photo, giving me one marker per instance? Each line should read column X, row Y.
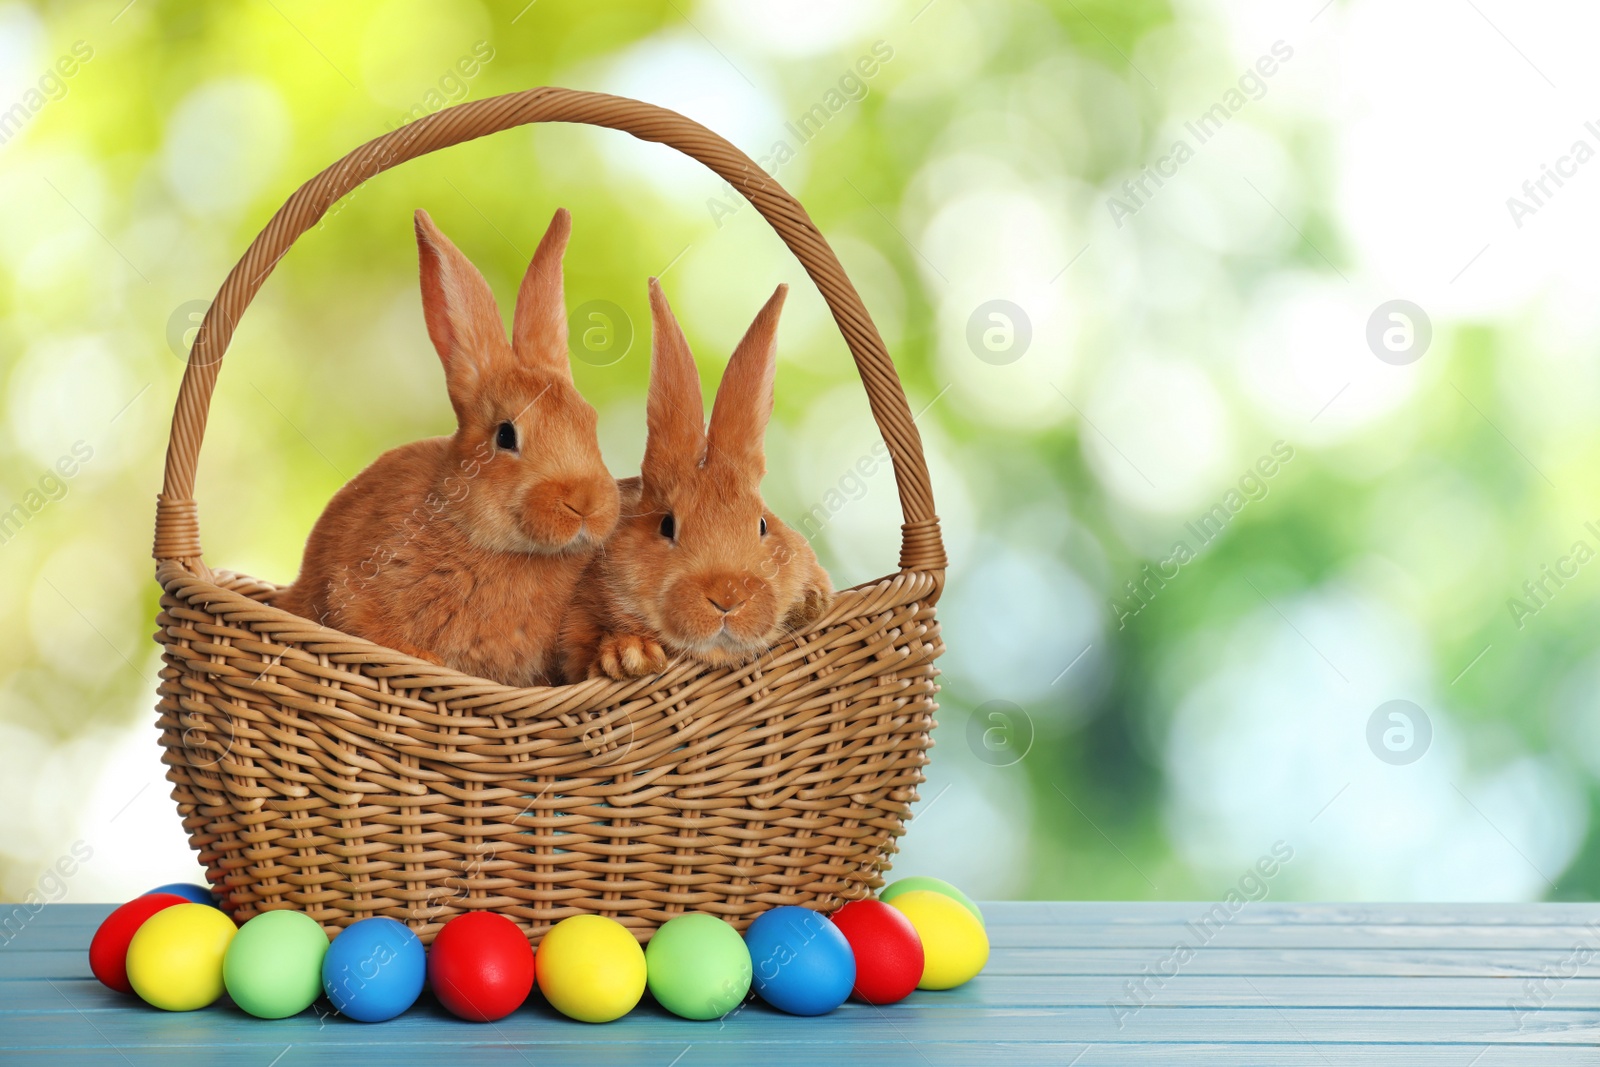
column 177, row 521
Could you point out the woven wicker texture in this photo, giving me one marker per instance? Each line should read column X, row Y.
column 322, row 772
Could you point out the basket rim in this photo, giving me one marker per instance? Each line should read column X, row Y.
column 227, row 593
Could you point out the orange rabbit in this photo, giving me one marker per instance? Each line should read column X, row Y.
column 464, row 550
column 697, row 566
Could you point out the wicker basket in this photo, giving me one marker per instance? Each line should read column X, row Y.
column 319, row 771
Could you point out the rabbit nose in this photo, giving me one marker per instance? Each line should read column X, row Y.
column 726, row 594
column 728, row 608
column 583, row 500
column 581, row 504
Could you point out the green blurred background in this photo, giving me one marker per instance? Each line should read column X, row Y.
column 1216, row 340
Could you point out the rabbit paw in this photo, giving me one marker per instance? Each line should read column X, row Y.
column 623, row 656
column 813, row 606
column 417, row 653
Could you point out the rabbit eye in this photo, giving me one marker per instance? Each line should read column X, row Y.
column 669, row 529
column 506, row 437
column 763, row 526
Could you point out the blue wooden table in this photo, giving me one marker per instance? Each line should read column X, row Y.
column 1083, row 984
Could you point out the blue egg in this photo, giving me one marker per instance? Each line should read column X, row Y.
column 374, row 969
column 803, row 964
column 199, row 894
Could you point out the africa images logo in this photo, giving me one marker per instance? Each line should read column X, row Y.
column 1253, row 485
column 1252, row 85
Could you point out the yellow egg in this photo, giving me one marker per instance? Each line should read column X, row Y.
column 590, row 968
column 175, row 960
column 954, row 944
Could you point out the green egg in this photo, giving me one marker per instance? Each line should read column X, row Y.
column 934, row 885
column 274, row 964
column 698, row 967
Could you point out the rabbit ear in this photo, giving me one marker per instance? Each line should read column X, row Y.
column 463, row 320
column 675, row 412
column 539, row 326
column 744, row 399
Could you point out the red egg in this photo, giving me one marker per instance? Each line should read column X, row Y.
column 481, row 966
column 887, row 949
column 108, row 952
